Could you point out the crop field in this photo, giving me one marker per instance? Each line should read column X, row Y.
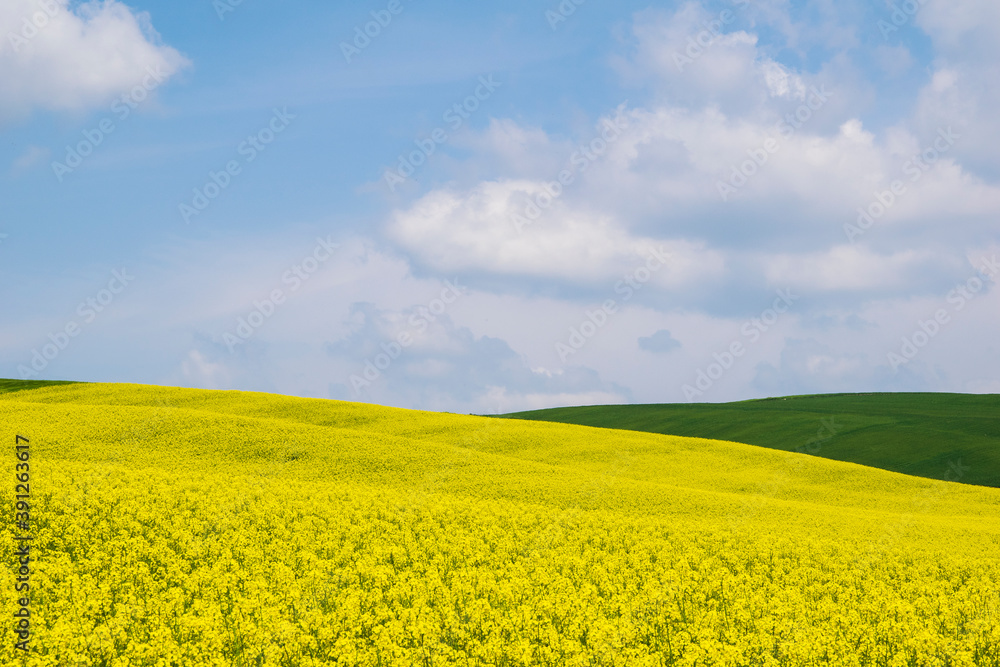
column 187, row 527
column 913, row 433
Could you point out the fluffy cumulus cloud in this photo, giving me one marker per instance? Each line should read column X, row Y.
column 523, row 228
column 60, row 57
column 695, row 57
column 752, row 173
column 735, row 157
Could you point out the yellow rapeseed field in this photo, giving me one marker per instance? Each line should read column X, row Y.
column 186, row 527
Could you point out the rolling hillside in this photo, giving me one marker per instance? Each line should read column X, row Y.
column 938, row 436
column 176, row 526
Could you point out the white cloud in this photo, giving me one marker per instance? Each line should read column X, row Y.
column 476, row 231
column 962, row 27
column 59, row 58
column 696, row 58
column 893, row 60
column 512, row 147
column 781, row 82
column 847, row 268
column 784, row 228
column 202, row 373
column 808, row 366
column 963, row 91
column 660, row 342
column 657, row 186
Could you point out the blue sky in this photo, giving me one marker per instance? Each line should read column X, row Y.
column 490, row 206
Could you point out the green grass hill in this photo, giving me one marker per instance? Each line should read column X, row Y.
column 921, row 434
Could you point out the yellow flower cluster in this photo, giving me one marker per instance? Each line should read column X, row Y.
column 179, row 527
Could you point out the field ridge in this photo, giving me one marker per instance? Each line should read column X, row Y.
column 920, row 434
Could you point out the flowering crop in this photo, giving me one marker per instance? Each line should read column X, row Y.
column 186, row 527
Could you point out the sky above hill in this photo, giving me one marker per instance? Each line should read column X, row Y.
column 494, row 206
